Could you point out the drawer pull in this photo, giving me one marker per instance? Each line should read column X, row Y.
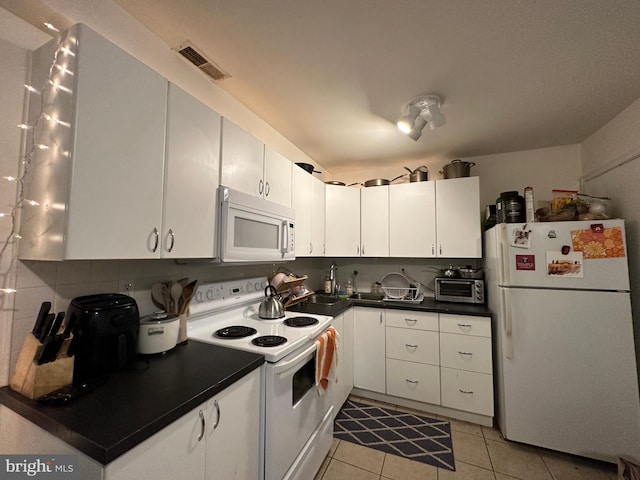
column 408, row 345
column 466, row 392
column 415, row 382
column 464, row 325
column 465, row 353
column 411, row 321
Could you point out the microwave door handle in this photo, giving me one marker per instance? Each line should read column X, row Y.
column 285, row 237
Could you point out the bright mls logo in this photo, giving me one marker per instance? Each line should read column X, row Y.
column 51, row 467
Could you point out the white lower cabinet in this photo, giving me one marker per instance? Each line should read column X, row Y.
column 439, row 359
column 468, row 391
column 369, row 349
column 220, row 439
column 343, row 324
column 415, row 381
column 466, row 363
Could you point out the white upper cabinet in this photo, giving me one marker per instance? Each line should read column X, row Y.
column 374, row 221
column 458, row 217
column 277, row 177
column 342, row 221
column 435, row 219
column 191, row 177
column 317, row 217
column 248, row 167
column 99, row 185
column 412, row 220
column 307, row 199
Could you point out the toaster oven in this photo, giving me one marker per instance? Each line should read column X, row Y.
column 460, row 290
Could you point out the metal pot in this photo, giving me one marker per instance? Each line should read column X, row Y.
column 470, row 272
column 271, row 307
column 457, row 169
column 420, row 174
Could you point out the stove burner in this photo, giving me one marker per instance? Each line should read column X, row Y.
column 235, row 331
column 269, row 341
column 300, row 321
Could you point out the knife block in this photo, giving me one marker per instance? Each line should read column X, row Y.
column 33, row 380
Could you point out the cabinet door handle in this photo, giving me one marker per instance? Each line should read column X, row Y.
column 172, row 237
column 267, row 189
column 260, row 187
column 380, row 318
column 465, row 353
column 440, row 249
column 433, row 249
column 310, row 247
column 415, row 382
column 358, row 250
column 156, row 235
column 217, row 406
column 202, row 427
column 466, row 392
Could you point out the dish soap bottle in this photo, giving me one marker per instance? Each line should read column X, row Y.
column 349, row 287
column 327, row 284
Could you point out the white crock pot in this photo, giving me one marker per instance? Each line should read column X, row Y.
column 158, row 332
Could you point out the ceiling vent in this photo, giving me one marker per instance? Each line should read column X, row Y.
column 206, row 66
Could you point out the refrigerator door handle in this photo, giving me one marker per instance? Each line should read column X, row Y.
column 503, row 252
column 508, row 324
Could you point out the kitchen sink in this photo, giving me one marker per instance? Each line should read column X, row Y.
column 376, row 297
column 325, row 299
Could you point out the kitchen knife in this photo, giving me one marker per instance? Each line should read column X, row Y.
column 52, row 342
column 46, row 328
column 40, row 319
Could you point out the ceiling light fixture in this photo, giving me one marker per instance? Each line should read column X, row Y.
column 419, row 113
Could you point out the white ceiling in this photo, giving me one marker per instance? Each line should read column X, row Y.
column 333, row 75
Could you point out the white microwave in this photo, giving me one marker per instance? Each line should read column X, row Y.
column 252, row 229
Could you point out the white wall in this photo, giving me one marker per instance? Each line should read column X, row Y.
column 14, row 64
column 616, row 143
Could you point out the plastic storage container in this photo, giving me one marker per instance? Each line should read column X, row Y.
column 510, row 208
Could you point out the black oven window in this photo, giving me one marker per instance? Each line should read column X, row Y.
column 303, row 380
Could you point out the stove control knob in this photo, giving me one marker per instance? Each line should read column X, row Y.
column 198, row 296
column 210, row 294
column 259, row 286
column 249, row 287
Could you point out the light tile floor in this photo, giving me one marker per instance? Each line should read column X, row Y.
column 480, row 454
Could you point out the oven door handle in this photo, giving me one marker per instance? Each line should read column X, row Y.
column 281, row 367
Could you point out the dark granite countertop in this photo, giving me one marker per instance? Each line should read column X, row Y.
column 134, row 404
column 427, row 305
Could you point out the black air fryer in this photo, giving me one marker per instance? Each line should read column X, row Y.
column 105, row 335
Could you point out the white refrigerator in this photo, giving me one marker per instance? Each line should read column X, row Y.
column 565, row 363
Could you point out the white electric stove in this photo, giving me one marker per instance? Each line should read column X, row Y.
column 298, row 417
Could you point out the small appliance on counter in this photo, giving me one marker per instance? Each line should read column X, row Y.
column 105, row 335
column 158, row 333
column 459, row 290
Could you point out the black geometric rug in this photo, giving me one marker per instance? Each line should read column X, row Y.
column 416, row 437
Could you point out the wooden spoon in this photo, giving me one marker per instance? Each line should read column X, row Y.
column 157, row 295
column 187, row 294
column 176, row 296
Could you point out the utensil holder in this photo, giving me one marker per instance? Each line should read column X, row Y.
column 33, row 380
column 182, row 329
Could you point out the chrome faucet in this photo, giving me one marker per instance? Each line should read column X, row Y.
column 332, row 278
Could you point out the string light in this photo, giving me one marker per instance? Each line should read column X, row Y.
column 51, row 27
column 35, row 132
column 32, row 89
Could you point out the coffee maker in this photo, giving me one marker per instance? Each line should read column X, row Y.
column 105, row 334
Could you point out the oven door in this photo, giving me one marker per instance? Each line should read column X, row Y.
column 295, row 434
column 253, row 229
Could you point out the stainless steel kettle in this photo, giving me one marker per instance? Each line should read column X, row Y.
column 271, row 307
